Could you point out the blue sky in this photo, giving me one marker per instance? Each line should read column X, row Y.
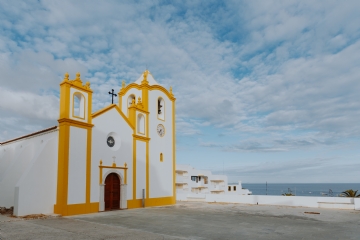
column 266, row 90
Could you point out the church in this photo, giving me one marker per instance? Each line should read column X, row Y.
column 120, row 157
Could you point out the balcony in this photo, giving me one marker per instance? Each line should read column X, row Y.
column 181, row 180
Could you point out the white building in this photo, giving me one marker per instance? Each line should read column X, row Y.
column 195, row 184
column 95, row 161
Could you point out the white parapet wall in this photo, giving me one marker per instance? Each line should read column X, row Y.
column 357, row 203
column 293, row 201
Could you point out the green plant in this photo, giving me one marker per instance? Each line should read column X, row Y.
column 350, row 193
column 287, row 194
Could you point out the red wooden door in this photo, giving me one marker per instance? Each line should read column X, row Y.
column 112, row 192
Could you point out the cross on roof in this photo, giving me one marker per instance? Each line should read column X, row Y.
column 112, row 96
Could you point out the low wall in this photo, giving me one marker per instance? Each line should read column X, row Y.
column 357, row 203
column 293, row 201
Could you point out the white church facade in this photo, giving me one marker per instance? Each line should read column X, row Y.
column 122, row 156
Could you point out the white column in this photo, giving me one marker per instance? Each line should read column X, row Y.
column 102, row 200
column 123, row 196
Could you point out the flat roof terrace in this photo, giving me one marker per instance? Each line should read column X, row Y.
column 192, row 220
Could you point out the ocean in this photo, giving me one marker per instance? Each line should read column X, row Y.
column 301, row 189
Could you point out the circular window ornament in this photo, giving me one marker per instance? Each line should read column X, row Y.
column 110, row 141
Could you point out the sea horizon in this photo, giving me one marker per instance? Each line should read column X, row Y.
column 301, row 189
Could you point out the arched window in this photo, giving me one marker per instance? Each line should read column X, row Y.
column 229, row 188
column 130, row 99
column 141, row 124
column 161, row 157
column 234, row 188
column 161, row 108
column 78, row 105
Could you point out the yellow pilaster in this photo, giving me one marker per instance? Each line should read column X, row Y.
column 132, row 114
column 65, row 122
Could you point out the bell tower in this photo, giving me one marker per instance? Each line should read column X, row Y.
column 74, row 151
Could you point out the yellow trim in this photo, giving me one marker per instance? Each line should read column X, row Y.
column 145, row 95
column 132, row 116
column 89, row 110
column 141, row 110
column 75, row 123
column 63, row 168
column 141, row 138
column 134, row 203
column 158, row 109
column 82, row 208
column 151, row 88
column 161, row 157
column 64, row 100
column 127, row 102
column 134, row 169
column 112, row 167
column 73, row 106
column 76, row 83
column 105, row 109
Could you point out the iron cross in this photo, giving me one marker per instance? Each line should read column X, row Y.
column 112, row 96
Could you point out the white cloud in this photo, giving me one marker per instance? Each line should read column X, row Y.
column 284, row 70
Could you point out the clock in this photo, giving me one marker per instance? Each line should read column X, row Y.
column 160, row 130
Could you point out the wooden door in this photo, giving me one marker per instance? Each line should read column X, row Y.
column 112, row 192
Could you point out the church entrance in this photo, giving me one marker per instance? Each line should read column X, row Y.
column 112, row 192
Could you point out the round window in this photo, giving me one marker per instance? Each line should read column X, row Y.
column 110, row 141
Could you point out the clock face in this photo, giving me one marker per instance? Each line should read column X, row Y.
column 110, row 141
column 160, row 130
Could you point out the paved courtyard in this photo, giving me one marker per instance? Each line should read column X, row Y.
column 192, row 220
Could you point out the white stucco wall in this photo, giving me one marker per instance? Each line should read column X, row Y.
column 140, row 168
column 77, row 166
column 21, row 160
column 293, row 201
column 35, row 192
column 16, row 163
column 6, row 154
column 110, row 123
column 161, row 173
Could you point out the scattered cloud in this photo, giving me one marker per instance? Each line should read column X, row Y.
column 274, row 76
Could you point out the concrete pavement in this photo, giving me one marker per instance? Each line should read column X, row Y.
column 192, row 220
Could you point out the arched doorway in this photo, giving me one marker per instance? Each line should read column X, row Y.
column 112, row 192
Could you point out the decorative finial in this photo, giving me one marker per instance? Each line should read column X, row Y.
column 66, row 78
column 133, row 102
column 77, row 76
column 114, row 164
column 87, row 84
column 171, row 90
column 123, row 84
column 100, row 162
column 139, row 104
column 125, row 164
column 146, row 72
column 145, row 81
